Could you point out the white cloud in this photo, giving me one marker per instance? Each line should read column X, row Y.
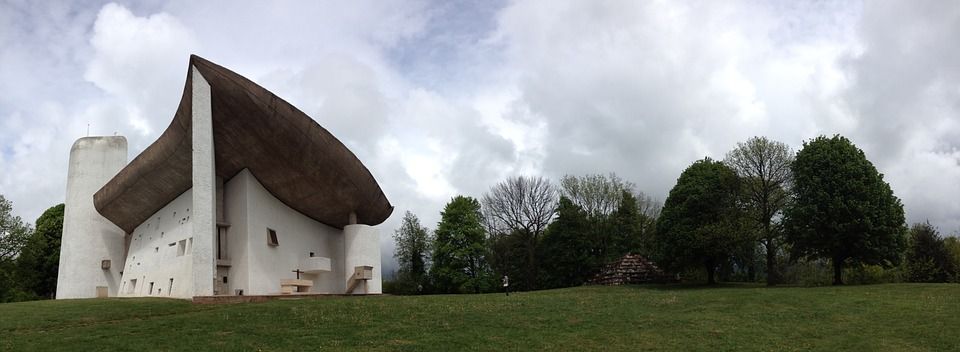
column 140, row 62
column 445, row 98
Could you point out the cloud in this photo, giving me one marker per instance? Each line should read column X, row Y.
column 440, row 98
column 140, row 63
column 905, row 96
column 643, row 89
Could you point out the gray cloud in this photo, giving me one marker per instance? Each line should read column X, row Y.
column 643, row 89
column 905, row 96
column 439, row 99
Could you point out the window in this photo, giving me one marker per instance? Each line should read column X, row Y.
column 222, row 242
column 170, row 287
column 181, row 247
column 272, row 237
column 151, row 289
column 133, row 285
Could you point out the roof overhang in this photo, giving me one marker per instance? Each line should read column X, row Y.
column 296, row 160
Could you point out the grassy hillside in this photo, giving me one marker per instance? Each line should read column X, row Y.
column 864, row 318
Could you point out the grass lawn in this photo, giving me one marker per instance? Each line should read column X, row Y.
column 900, row 317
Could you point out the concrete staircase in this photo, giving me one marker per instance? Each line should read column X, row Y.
column 361, row 274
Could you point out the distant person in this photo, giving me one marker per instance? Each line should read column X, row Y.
column 506, row 284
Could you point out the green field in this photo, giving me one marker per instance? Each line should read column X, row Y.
column 900, row 317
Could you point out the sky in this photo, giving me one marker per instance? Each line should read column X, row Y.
column 439, row 98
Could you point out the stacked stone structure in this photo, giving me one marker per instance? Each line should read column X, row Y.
column 631, row 269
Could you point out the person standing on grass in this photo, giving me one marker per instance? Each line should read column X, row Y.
column 506, row 284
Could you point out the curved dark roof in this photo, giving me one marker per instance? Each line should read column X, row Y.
column 295, row 159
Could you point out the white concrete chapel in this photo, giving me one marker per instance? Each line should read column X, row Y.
column 242, row 194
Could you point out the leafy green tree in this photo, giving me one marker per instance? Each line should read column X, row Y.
column 508, row 256
column 764, row 169
column 701, row 222
column 613, row 225
column 568, row 251
column 843, row 210
column 598, row 195
column 953, row 247
column 459, row 252
column 13, row 236
column 39, row 260
column 412, row 254
column 627, row 227
column 928, row 259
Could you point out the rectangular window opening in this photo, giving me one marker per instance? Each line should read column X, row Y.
column 272, row 237
column 170, row 287
column 181, row 247
column 222, row 242
column 151, row 289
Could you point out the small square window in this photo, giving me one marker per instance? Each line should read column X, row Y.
column 272, row 237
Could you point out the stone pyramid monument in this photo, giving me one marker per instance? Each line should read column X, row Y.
column 629, row 270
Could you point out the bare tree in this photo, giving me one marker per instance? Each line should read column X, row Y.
column 764, row 167
column 520, row 206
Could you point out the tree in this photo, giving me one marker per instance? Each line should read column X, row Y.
column 842, row 209
column 953, row 247
column 627, row 224
column 648, row 210
column 13, row 236
column 600, row 197
column 764, row 169
column 928, row 259
column 700, row 223
column 459, row 263
column 39, row 260
column 519, row 207
column 412, row 254
column 597, row 194
column 568, row 249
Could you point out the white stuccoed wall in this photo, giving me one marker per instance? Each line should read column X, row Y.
column 258, row 267
column 154, row 255
column 204, row 189
column 235, row 213
column 88, row 237
column 362, row 247
column 255, row 267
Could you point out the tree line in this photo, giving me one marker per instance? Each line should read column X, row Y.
column 763, row 213
column 29, row 255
